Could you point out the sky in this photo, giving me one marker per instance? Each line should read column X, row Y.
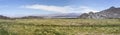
column 13, row 8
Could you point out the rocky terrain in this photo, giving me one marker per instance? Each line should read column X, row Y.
column 109, row 13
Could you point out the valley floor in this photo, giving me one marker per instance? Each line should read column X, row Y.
column 60, row 27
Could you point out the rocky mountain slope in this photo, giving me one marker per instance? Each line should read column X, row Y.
column 112, row 12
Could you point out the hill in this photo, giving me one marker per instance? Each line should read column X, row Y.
column 4, row 17
column 111, row 12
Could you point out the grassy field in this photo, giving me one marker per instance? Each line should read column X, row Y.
column 60, row 27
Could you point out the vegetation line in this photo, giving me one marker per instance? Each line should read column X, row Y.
column 31, row 24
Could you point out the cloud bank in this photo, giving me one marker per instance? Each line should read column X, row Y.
column 60, row 9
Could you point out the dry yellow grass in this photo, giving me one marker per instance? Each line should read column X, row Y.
column 60, row 27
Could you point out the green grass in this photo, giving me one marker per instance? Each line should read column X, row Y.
column 60, row 27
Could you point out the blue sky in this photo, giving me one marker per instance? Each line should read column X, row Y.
column 14, row 8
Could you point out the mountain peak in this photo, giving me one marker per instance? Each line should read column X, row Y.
column 90, row 12
column 112, row 12
column 112, row 7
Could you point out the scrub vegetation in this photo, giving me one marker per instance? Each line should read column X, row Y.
column 60, row 27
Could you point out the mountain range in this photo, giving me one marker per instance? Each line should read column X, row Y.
column 62, row 15
column 57, row 15
column 109, row 13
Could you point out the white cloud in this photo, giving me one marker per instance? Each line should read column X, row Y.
column 85, row 9
column 61, row 9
